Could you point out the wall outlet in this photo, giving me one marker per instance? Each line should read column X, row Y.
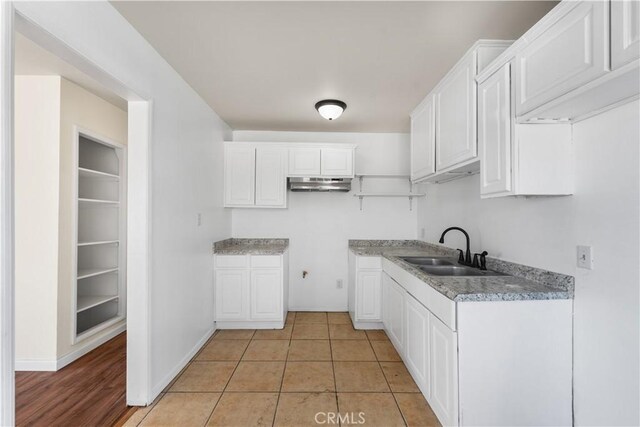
column 199, row 219
column 339, row 283
column 585, row 257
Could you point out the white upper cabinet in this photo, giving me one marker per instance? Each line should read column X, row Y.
column 625, row 32
column 271, row 181
column 304, row 162
column 336, row 162
column 456, row 118
column 494, row 132
column 423, row 140
column 333, row 162
column 568, row 54
column 239, row 175
column 519, row 159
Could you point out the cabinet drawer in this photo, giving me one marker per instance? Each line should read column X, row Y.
column 231, row 261
column 369, row 262
column 265, row 261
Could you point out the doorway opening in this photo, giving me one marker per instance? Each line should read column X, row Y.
column 70, row 192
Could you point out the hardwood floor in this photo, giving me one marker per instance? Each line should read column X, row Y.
column 88, row 392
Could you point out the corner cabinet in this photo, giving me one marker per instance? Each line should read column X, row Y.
column 365, row 291
column 250, row 291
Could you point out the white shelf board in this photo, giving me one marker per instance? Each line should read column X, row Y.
column 87, row 302
column 94, row 174
column 91, row 272
column 100, row 242
column 88, row 202
column 389, row 194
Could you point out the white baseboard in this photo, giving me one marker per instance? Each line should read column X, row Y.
column 86, row 346
column 330, row 309
column 156, row 390
column 221, row 324
column 36, row 365
column 368, row 325
column 82, row 349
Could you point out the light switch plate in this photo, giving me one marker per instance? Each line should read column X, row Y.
column 585, row 257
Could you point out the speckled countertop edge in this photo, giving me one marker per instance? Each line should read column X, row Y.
column 250, row 246
column 521, row 283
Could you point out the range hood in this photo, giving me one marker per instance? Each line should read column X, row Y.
column 320, row 184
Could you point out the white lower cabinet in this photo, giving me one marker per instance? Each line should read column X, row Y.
column 250, row 291
column 443, row 365
column 417, row 348
column 507, row 363
column 394, row 309
column 266, row 294
column 232, row 291
column 365, row 291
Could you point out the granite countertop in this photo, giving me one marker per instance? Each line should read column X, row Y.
column 520, row 282
column 251, row 246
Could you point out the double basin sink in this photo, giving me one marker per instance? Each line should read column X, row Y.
column 439, row 266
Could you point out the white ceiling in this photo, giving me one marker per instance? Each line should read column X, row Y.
column 32, row 59
column 263, row 65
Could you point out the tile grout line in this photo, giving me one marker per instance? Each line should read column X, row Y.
column 284, row 370
column 229, row 380
column 333, row 370
column 163, row 393
column 389, row 385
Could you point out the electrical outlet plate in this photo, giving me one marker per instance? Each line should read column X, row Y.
column 339, row 283
column 585, row 257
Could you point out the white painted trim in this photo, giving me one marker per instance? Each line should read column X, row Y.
column 257, row 324
column 180, row 366
column 328, row 309
column 7, row 278
column 139, row 205
column 368, row 325
column 139, row 255
column 56, row 365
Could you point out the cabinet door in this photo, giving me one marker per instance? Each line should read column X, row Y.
column 239, row 176
column 456, row 116
column 423, row 141
column 232, row 294
column 625, row 32
column 386, row 284
column 572, row 52
column 304, row 162
column 494, row 133
column 266, row 294
column 337, row 162
column 271, row 180
column 443, row 363
column 368, row 299
column 417, row 343
column 396, row 315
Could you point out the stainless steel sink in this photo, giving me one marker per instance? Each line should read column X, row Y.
column 418, row 260
column 456, row 270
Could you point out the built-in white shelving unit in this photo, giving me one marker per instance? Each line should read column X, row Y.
column 410, row 194
column 99, row 297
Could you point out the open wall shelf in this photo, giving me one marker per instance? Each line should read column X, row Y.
column 409, row 194
column 100, row 255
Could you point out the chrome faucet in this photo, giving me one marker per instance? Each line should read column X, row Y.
column 462, row 259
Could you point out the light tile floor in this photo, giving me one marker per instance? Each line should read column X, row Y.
column 317, row 364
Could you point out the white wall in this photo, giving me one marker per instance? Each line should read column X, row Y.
column 37, row 168
column 319, row 225
column 186, row 177
column 543, row 232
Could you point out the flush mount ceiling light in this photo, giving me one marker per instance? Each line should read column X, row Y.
column 330, row 109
